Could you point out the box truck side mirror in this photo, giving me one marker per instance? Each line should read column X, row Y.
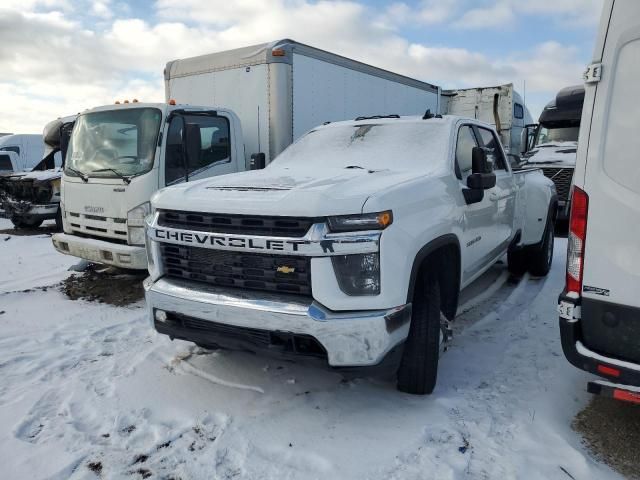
column 258, row 161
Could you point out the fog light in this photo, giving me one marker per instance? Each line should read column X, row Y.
column 161, row 315
column 358, row 274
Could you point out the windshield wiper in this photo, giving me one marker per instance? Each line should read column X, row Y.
column 124, row 178
column 83, row 176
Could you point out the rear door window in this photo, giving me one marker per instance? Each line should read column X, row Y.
column 5, row 162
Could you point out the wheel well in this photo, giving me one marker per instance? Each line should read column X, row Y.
column 443, row 255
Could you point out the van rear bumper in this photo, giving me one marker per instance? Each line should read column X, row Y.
column 586, row 358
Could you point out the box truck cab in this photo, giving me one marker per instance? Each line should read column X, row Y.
column 600, row 306
column 119, row 155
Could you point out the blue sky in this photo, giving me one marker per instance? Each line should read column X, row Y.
column 62, row 56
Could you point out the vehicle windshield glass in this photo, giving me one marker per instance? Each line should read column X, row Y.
column 556, row 135
column 394, row 146
column 123, row 140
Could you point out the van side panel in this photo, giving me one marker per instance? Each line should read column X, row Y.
column 325, row 92
column 612, row 181
column 243, row 90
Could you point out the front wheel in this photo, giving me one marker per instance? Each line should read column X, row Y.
column 419, row 365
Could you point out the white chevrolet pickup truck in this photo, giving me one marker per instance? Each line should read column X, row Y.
column 350, row 248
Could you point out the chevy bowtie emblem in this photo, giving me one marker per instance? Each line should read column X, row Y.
column 285, row 269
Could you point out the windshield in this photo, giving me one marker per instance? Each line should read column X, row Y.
column 556, row 135
column 393, row 146
column 121, row 140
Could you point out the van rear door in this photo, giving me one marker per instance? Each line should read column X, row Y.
column 608, row 171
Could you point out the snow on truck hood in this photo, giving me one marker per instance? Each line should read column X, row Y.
column 556, row 153
column 282, row 191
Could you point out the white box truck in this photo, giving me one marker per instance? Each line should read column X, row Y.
column 223, row 111
column 27, row 147
column 600, row 306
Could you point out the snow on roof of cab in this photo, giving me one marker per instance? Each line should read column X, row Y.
column 440, row 120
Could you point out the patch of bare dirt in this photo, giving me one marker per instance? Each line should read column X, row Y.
column 611, row 430
column 105, row 285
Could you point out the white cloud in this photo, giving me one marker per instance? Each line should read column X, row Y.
column 500, row 14
column 65, row 67
column 101, row 9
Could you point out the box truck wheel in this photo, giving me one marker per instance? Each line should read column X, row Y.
column 419, row 365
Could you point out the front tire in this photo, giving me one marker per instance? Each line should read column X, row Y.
column 59, row 220
column 419, row 365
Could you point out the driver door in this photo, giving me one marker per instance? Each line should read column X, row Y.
column 198, row 146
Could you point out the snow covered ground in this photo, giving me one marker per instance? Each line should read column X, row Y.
column 89, row 390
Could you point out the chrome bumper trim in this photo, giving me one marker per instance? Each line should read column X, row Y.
column 351, row 339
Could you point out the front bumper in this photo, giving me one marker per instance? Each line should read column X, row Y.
column 101, row 251
column 234, row 318
column 585, row 359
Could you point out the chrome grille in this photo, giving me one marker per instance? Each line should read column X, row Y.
column 271, row 273
column 240, row 224
column 561, row 177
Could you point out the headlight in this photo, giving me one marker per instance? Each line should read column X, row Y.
column 358, row 274
column 135, row 223
column 366, row 221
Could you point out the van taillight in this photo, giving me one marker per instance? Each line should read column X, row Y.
column 576, row 238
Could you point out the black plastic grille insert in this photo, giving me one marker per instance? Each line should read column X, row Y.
column 270, row 273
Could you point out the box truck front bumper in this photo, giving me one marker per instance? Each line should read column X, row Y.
column 101, row 251
column 284, row 325
column 581, row 356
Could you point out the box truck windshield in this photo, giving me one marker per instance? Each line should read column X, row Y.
column 114, row 143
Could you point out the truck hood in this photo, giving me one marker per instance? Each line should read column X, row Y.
column 561, row 154
column 282, row 191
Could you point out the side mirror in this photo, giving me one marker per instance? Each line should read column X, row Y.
column 482, row 176
column 524, row 140
column 258, row 161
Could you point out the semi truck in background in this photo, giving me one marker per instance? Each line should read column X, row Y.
column 30, row 198
column 223, row 113
column 554, row 143
column 500, row 106
column 599, row 307
column 27, row 150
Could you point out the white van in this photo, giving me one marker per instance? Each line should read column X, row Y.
column 28, row 148
column 600, row 305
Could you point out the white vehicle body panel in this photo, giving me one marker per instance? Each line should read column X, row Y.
column 607, row 168
column 325, row 92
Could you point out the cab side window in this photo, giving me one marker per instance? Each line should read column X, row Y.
column 464, row 147
column 492, row 145
column 208, row 141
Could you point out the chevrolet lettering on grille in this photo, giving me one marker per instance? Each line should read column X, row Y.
column 226, row 242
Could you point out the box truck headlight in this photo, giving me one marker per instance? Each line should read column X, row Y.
column 135, row 223
column 366, row 221
column 358, row 274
